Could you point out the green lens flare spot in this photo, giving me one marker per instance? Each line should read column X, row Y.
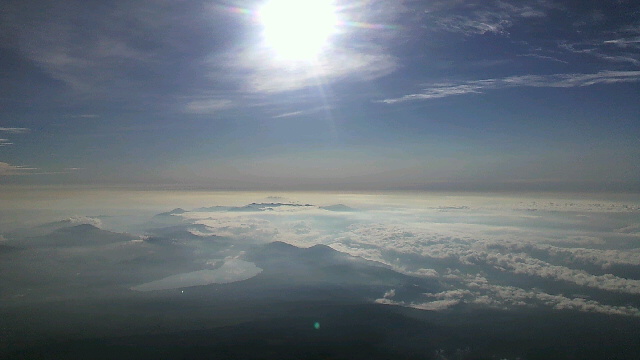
column 316, row 325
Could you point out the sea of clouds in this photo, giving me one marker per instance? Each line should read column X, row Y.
column 508, row 252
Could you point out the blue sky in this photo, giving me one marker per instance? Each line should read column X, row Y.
column 403, row 95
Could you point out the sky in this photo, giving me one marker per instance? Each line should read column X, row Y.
column 356, row 95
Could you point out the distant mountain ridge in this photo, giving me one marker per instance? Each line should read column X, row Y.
column 79, row 235
column 251, row 207
column 321, row 263
column 338, row 208
column 176, row 211
column 263, row 206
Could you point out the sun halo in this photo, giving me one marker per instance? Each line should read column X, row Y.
column 298, row 30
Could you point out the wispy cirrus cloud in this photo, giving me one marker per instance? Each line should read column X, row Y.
column 620, row 45
column 14, row 130
column 83, row 116
column 620, row 50
column 307, row 111
column 208, row 106
column 11, row 130
column 288, row 114
column 625, row 42
column 7, row 169
column 490, row 18
column 111, row 64
column 442, row 90
column 481, row 23
column 544, row 57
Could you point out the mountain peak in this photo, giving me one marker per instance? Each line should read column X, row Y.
column 79, row 235
column 338, row 207
column 79, row 228
column 176, row 211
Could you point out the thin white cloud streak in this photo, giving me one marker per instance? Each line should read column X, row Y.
column 14, row 130
column 494, row 18
column 481, row 24
column 602, row 50
column 324, row 109
column 84, row 116
column 534, row 10
column 84, row 63
column 208, row 106
column 84, row 68
column 289, row 114
column 544, row 57
column 625, row 42
column 443, row 90
column 7, row 169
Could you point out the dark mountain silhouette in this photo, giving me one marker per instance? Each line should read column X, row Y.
column 49, row 227
column 6, row 248
column 79, row 235
column 251, row 207
column 176, row 211
column 338, row 208
column 283, row 262
column 214, row 208
column 367, row 331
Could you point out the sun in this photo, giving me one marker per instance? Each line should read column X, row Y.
column 298, row 29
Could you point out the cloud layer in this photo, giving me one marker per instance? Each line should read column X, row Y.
column 476, row 250
column 571, row 254
column 437, row 91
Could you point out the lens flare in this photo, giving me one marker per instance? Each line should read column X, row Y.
column 298, row 30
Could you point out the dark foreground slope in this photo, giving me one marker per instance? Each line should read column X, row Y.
column 368, row 331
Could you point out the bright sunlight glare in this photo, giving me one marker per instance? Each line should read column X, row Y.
column 298, row 29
